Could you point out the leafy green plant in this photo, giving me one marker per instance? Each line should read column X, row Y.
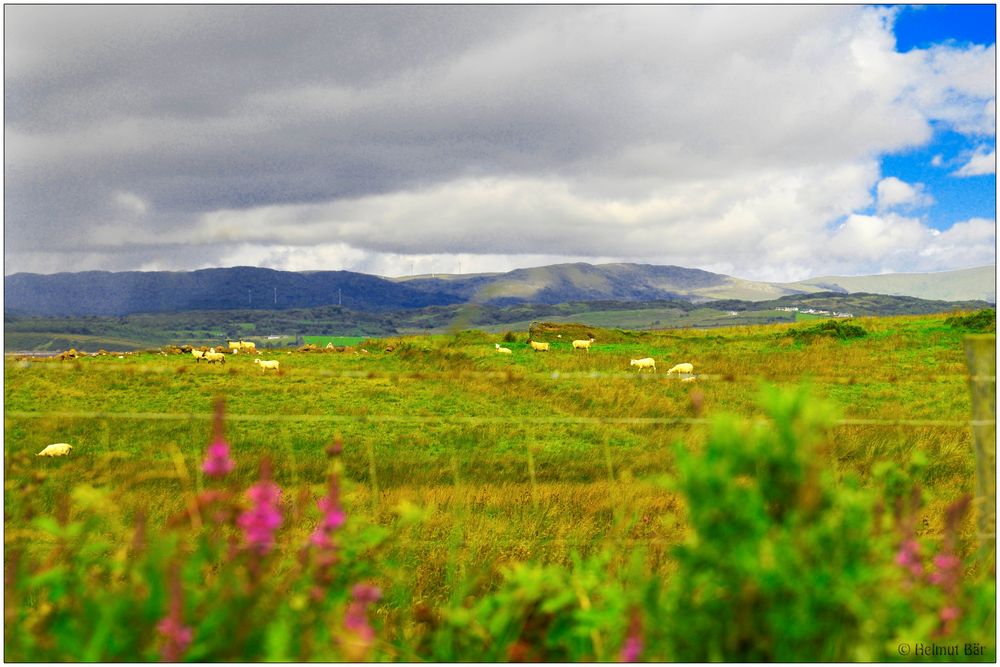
column 981, row 321
column 830, row 329
column 789, row 561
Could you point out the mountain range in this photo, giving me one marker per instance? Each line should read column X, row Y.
column 124, row 293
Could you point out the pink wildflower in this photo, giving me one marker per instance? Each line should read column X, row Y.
column 947, row 571
column 178, row 637
column 217, row 461
column 632, row 647
column 333, row 517
column 909, row 557
column 360, row 635
column 356, row 618
column 263, row 518
column 950, row 614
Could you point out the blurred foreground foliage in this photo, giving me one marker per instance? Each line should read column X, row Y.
column 784, row 560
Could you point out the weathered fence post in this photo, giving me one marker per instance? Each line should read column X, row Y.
column 981, row 355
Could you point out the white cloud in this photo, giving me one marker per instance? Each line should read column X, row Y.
column 979, row 164
column 893, row 193
column 868, row 237
column 964, row 244
column 130, row 203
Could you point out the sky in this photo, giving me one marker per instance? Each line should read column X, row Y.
column 770, row 142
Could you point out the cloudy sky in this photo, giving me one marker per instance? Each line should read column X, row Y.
column 766, row 142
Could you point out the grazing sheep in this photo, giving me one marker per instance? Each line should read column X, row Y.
column 213, row 357
column 58, row 449
column 539, row 347
column 248, row 346
column 234, row 345
column 273, row 363
column 198, row 355
column 644, row 363
column 582, row 345
column 682, row 368
column 502, row 350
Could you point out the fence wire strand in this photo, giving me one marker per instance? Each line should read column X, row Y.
column 460, row 419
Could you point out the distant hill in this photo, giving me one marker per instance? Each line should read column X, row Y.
column 117, row 294
column 964, row 284
column 104, row 293
column 560, row 283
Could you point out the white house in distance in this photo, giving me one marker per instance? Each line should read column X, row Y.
column 813, row 311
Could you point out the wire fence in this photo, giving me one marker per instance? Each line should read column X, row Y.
column 459, row 419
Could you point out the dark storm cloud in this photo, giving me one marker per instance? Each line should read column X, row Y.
column 223, row 133
column 185, row 104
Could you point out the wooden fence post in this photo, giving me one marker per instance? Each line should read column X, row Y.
column 981, row 355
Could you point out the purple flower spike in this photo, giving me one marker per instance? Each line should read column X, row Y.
column 356, row 618
column 366, row 593
column 263, row 518
column 949, row 614
column 909, row 557
column 217, row 461
column 360, row 636
column 632, row 648
column 947, row 573
column 178, row 637
column 333, row 517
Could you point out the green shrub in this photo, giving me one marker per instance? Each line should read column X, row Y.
column 981, row 321
column 831, row 328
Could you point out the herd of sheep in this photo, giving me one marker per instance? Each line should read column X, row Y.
column 646, row 362
column 216, row 355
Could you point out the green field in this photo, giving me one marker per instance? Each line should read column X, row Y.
column 541, row 457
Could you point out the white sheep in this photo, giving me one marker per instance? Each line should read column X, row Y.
column 539, row 347
column 234, row 345
column 502, row 350
column 248, row 346
column 58, row 449
column 582, row 345
column 273, row 363
column 213, row 357
column 198, row 355
column 644, row 363
column 682, row 368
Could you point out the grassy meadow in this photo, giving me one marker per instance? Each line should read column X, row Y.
column 471, row 462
